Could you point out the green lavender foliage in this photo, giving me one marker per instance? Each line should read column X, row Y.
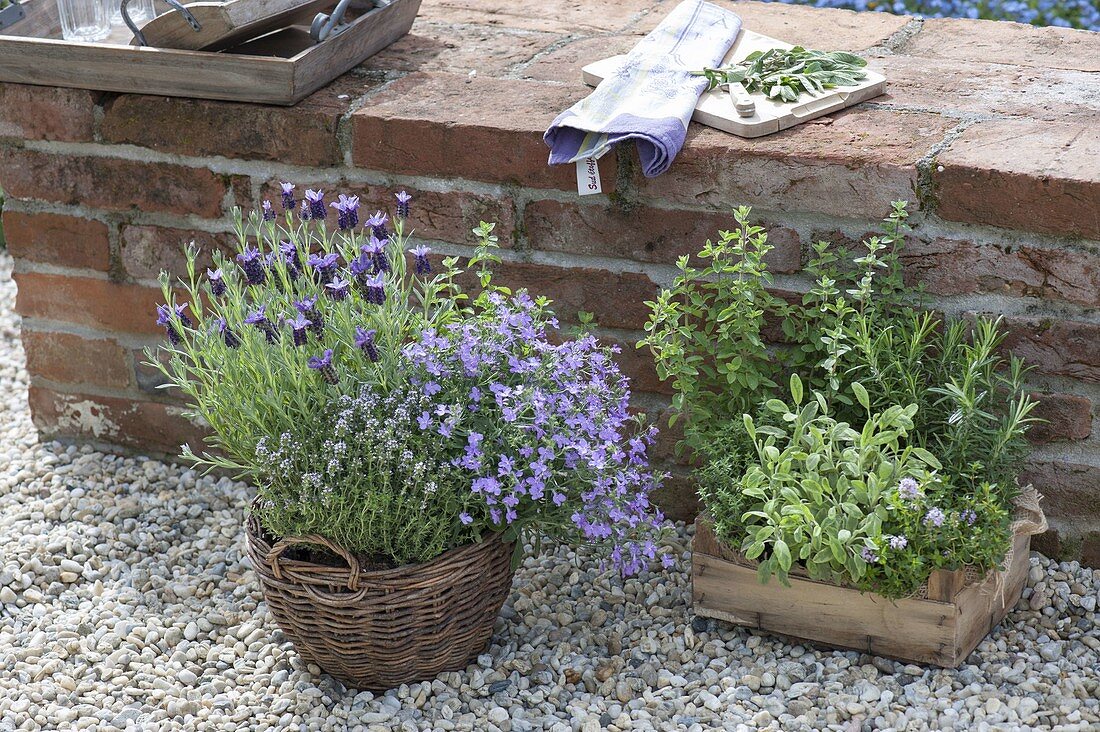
column 787, row 74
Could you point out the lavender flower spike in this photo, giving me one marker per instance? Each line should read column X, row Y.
column 376, row 289
column 307, row 307
column 420, row 253
column 217, row 282
column 165, row 320
column 324, row 266
column 338, row 289
column 269, row 211
column 377, row 224
column 375, row 248
column 403, row 199
column 288, row 196
column 252, row 264
column 323, row 364
column 299, row 327
column 364, row 340
column 316, row 201
column 230, row 338
column 259, row 319
column 351, row 207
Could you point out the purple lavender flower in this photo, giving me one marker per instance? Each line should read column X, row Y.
column 420, row 253
column 376, row 289
column 897, row 541
column 228, row 336
column 290, row 259
column 252, row 263
column 347, row 211
column 375, row 248
column 377, row 224
column 403, row 199
column 217, row 282
column 324, row 265
column 316, row 201
column 968, row 516
column 323, row 365
column 364, row 340
column 338, row 289
column 934, row 517
column 869, row 555
column 361, row 269
column 259, row 319
column 288, row 196
column 167, row 318
column 307, row 306
column 299, row 328
column 303, row 211
column 269, row 212
column 908, row 488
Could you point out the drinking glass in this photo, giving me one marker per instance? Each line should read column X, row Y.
column 141, row 11
column 83, row 20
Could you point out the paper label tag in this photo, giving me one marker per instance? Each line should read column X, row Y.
column 588, row 177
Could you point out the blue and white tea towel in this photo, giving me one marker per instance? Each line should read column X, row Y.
column 651, row 98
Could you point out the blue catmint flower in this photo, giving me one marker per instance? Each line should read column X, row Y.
column 934, row 517
column 338, row 289
column 403, row 199
column 268, row 211
column 307, row 306
column 217, row 282
column 420, row 254
column 376, row 289
column 228, row 336
column 288, row 196
column 323, row 365
column 897, row 541
column 364, row 341
column 259, row 319
column 299, row 328
column 316, row 201
column 377, row 224
column 252, row 263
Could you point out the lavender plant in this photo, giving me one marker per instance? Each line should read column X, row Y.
column 375, row 403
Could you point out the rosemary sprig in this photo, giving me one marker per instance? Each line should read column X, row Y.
column 785, row 75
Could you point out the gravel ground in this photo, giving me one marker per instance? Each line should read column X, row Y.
column 126, row 603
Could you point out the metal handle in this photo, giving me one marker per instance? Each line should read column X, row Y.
column 326, row 25
column 174, row 4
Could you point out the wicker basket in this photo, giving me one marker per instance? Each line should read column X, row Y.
column 379, row 629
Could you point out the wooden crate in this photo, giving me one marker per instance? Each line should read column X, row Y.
column 281, row 68
column 941, row 630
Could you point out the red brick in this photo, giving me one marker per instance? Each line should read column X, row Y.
column 616, row 299
column 459, row 49
column 142, row 425
column 147, row 250
column 435, row 215
column 855, row 162
column 947, row 86
column 1057, row 347
column 1048, row 182
column 997, row 42
column 678, row 497
column 637, row 364
column 959, row 267
column 70, row 359
column 46, row 113
column 564, row 64
column 845, row 30
column 576, row 17
column 642, row 234
column 1070, row 491
column 95, row 303
column 483, row 129
column 111, row 183
column 65, row 241
column 305, row 134
column 1068, row 417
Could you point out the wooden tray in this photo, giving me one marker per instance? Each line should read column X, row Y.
column 281, row 68
column 715, row 108
column 942, row 629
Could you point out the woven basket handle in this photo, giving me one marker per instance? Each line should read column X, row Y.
column 282, row 545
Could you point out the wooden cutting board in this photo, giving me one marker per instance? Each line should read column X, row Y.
column 226, row 24
column 716, row 108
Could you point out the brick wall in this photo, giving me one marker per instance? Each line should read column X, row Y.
column 991, row 129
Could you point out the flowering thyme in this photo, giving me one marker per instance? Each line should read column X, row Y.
column 934, row 517
column 909, row 489
column 323, row 365
column 897, row 542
